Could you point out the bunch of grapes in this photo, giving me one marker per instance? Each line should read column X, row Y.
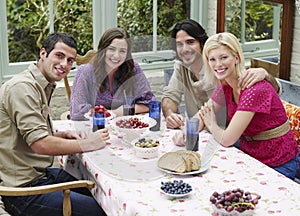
column 236, row 199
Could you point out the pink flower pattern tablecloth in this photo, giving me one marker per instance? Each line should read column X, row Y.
column 126, row 185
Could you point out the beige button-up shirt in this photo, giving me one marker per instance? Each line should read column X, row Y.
column 24, row 119
column 182, row 86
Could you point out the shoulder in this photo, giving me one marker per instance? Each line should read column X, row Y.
column 86, row 70
column 261, row 86
column 137, row 67
column 178, row 66
column 20, row 80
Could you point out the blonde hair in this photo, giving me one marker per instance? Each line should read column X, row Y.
column 231, row 42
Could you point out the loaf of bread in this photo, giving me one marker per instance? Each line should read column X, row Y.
column 180, row 161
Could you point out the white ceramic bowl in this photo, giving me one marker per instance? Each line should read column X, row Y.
column 223, row 212
column 142, row 118
column 89, row 116
column 145, row 152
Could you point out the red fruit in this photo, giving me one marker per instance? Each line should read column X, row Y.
column 101, row 108
column 96, row 108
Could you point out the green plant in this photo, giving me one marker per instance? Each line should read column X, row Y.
column 28, row 25
column 139, row 22
column 258, row 19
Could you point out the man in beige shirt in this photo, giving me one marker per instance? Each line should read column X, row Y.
column 28, row 143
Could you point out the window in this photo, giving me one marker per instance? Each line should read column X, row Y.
column 86, row 20
column 280, row 44
column 256, row 24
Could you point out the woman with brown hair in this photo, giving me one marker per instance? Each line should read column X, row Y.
column 110, row 76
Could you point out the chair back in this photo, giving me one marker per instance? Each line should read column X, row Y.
column 79, row 61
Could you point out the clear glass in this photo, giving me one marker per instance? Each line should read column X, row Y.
column 192, row 134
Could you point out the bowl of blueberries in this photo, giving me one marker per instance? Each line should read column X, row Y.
column 176, row 188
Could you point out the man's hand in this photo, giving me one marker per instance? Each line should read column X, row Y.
column 95, row 140
column 252, row 76
column 174, row 121
column 70, row 134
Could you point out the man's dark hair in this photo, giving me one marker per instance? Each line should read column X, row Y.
column 191, row 27
column 53, row 38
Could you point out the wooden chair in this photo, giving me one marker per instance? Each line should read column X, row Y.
column 66, row 186
column 79, row 61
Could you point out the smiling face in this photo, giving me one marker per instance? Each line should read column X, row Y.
column 188, row 48
column 58, row 63
column 223, row 63
column 116, row 54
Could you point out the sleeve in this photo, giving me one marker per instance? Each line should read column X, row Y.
column 257, row 98
column 83, row 93
column 175, row 90
column 142, row 90
column 25, row 107
column 218, row 95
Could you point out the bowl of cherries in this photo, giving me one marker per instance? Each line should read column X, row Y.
column 133, row 124
column 236, row 202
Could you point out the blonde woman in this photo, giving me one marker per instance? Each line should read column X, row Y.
column 256, row 114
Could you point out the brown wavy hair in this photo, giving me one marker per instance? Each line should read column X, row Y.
column 125, row 71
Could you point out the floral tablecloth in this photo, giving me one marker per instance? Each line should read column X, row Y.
column 126, row 185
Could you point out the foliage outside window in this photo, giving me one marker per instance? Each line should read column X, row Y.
column 139, row 21
column 28, row 25
column 258, row 19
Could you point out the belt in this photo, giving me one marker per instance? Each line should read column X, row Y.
column 270, row 134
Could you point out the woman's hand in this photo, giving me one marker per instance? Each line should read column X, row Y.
column 208, row 115
column 179, row 138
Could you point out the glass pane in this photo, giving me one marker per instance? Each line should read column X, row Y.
column 28, row 25
column 168, row 14
column 258, row 19
column 75, row 17
column 136, row 16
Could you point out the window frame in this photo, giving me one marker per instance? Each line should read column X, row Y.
column 286, row 33
column 104, row 17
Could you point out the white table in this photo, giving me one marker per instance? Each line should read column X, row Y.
column 127, row 185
